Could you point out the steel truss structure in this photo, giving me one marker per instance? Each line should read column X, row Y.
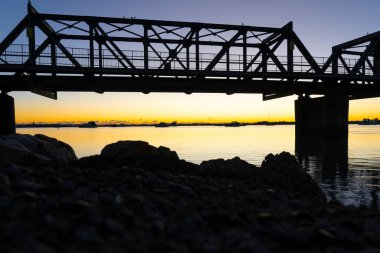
column 85, row 53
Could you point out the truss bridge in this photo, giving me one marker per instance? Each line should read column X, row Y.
column 49, row 53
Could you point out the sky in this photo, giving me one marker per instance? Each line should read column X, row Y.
column 320, row 25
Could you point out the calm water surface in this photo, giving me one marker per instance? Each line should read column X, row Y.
column 348, row 171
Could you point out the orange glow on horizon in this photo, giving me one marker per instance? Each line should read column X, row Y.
column 146, row 120
column 135, row 108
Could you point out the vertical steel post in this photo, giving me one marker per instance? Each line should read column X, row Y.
column 53, row 55
column 290, row 48
column 197, row 50
column 31, row 35
column 91, row 33
column 363, row 69
column 265, row 61
column 244, row 50
column 376, row 60
column 334, row 63
column 146, row 45
column 188, row 58
column 228, row 63
column 100, row 57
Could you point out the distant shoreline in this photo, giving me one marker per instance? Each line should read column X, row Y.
column 42, row 125
column 262, row 123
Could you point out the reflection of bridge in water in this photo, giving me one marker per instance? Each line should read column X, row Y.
column 327, row 159
column 82, row 53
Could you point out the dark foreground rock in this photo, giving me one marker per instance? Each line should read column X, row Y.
column 279, row 172
column 24, row 149
column 282, row 172
column 104, row 204
column 138, row 154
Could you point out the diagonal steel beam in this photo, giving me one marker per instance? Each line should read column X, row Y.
column 115, row 55
column 328, row 62
column 369, row 64
column 51, row 34
column 110, row 50
column 3, row 61
column 37, row 53
column 188, row 37
column 13, row 34
column 45, row 28
column 344, row 64
column 122, row 28
column 113, row 44
column 69, row 26
column 354, row 52
column 365, row 54
column 160, row 39
column 224, row 50
column 169, row 58
column 252, row 61
column 266, row 56
column 357, row 41
column 39, row 50
column 117, row 28
column 172, row 31
column 269, row 40
column 301, row 47
column 274, row 57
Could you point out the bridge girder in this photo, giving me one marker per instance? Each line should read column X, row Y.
column 158, row 51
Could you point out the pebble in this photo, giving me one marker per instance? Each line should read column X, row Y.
column 183, row 189
column 43, row 248
column 113, row 225
column 68, row 185
column 94, row 216
column 4, row 180
column 325, row 234
column 28, row 185
column 5, row 202
column 12, row 170
column 86, row 233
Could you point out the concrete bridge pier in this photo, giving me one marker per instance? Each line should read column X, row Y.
column 326, row 115
column 7, row 115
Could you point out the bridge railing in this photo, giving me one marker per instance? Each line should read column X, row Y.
column 18, row 54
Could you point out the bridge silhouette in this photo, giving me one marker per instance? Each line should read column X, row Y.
column 102, row 54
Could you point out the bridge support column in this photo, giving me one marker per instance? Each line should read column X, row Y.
column 376, row 60
column 7, row 115
column 323, row 115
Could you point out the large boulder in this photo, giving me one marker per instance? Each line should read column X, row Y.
column 278, row 172
column 28, row 150
column 231, row 168
column 138, row 154
column 127, row 150
column 283, row 172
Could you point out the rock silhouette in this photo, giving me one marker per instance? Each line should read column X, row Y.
column 134, row 197
column 35, row 150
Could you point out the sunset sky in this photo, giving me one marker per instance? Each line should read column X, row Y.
column 320, row 25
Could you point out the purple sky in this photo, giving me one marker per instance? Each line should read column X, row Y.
column 320, row 24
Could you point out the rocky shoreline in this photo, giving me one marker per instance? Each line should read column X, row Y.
column 134, row 197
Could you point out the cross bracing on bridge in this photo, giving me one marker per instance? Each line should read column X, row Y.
column 84, row 53
column 18, row 54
